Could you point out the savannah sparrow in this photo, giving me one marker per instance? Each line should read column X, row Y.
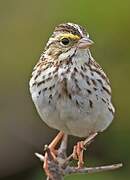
column 70, row 90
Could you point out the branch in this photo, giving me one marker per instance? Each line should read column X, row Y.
column 59, row 167
column 73, row 170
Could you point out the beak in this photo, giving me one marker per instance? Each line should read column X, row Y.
column 85, row 43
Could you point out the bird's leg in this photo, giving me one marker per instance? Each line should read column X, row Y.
column 52, row 152
column 78, row 153
column 54, row 143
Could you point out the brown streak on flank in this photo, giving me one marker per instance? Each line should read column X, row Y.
column 95, row 89
column 56, row 64
column 70, row 97
column 73, row 75
column 111, row 110
column 81, row 73
column 86, row 64
column 104, row 100
column 56, row 69
column 51, row 87
column 39, row 92
column 105, row 89
column 38, row 64
column 100, row 81
column 34, row 84
column 44, row 89
column 76, row 84
column 97, row 96
column 42, row 82
column 66, row 61
column 91, row 104
column 75, row 80
column 94, row 63
column 90, row 92
column 68, row 70
column 94, row 82
column 49, row 73
column 92, row 74
column 64, row 87
column 38, row 74
column 77, row 103
column 100, row 73
column 87, row 80
column 50, row 96
column 97, row 68
column 75, row 69
column 59, row 96
column 82, row 68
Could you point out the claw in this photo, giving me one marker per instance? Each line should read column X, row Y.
column 78, row 153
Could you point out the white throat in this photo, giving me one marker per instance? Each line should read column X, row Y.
column 80, row 56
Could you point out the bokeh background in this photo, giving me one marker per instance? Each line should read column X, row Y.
column 24, row 30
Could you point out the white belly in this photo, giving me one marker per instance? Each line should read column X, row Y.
column 66, row 116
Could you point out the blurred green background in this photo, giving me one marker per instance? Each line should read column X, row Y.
column 25, row 27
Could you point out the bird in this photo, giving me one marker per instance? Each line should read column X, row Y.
column 70, row 90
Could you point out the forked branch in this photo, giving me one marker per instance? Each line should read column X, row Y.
column 60, row 167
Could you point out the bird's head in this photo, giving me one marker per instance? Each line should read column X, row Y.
column 67, row 38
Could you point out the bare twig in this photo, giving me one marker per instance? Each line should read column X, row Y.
column 73, row 170
column 59, row 167
column 40, row 156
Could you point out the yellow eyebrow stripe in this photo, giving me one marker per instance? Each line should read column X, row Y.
column 71, row 36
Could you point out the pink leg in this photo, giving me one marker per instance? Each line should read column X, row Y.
column 52, row 149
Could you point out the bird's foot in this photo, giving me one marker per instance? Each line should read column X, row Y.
column 80, row 147
column 78, row 153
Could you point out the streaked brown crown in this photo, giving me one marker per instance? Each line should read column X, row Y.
column 71, row 28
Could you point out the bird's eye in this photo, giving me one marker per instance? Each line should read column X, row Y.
column 65, row 41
